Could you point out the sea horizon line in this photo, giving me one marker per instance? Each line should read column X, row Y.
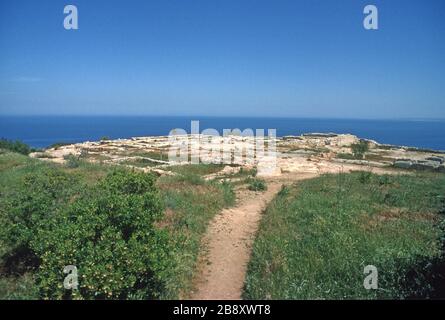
column 220, row 116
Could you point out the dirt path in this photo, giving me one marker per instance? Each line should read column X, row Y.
column 230, row 235
column 229, row 242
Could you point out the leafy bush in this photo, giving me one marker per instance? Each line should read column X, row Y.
column 15, row 146
column 364, row 177
column 28, row 209
column 107, row 231
column 72, row 161
column 256, row 184
column 359, row 149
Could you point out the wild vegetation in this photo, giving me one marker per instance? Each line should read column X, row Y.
column 131, row 235
column 316, row 238
column 196, row 169
column 256, row 184
column 15, row 146
column 358, row 151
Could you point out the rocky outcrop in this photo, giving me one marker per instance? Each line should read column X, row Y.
column 312, row 152
column 434, row 163
column 439, row 159
column 403, row 164
column 360, row 162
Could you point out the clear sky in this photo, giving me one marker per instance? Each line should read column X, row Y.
column 291, row 58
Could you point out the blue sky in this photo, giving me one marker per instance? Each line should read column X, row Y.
column 296, row 58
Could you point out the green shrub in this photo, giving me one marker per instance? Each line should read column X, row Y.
column 359, row 149
column 107, row 231
column 30, row 208
column 256, row 184
column 364, row 177
column 72, row 161
column 15, row 146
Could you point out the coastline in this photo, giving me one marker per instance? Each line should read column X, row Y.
column 43, row 131
column 307, row 153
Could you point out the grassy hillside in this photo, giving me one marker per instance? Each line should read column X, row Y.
column 49, row 212
column 316, row 238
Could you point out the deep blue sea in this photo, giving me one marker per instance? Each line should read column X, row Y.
column 42, row 131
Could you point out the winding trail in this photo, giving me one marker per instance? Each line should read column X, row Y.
column 229, row 240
